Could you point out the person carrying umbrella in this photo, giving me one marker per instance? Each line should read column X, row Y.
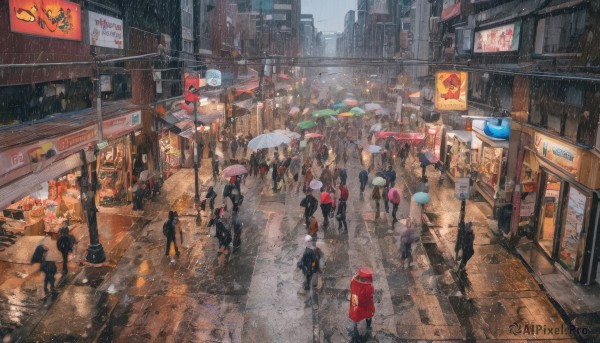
column 376, row 196
column 326, row 205
column 407, row 238
column 394, row 196
column 341, row 208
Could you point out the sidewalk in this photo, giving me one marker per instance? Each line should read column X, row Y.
column 498, row 274
column 25, row 311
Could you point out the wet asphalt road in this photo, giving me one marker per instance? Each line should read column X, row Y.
column 256, row 294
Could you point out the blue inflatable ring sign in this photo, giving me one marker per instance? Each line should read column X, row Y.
column 500, row 131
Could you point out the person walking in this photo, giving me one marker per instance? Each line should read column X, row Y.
column 407, row 238
column 386, row 200
column 363, row 177
column 313, row 227
column 295, row 171
column 308, row 175
column 224, row 237
column 49, row 269
column 376, row 196
column 390, row 176
column 362, row 305
column 326, row 206
column 215, row 167
column 310, row 261
column 394, row 197
column 237, row 233
column 310, row 205
column 211, row 195
column 465, row 242
column 341, row 208
column 169, row 231
column 275, row 172
column 343, row 176
column 65, row 243
column 234, row 147
column 253, row 164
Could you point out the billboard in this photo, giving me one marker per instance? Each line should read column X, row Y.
column 451, row 8
column 499, row 39
column 451, row 91
column 378, row 7
column 50, row 18
column 105, row 31
column 191, row 84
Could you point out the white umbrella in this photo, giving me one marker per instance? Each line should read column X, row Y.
column 291, row 134
column 382, row 112
column 374, row 149
column 376, row 127
column 316, row 185
column 372, row 107
column 268, row 140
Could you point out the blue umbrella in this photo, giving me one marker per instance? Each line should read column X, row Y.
column 421, row 198
column 338, row 105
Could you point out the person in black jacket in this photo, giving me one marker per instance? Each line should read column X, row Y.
column 224, row 237
column 310, row 261
column 169, row 230
column 65, row 244
column 310, row 204
column 464, row 243
column 49, row 269
column 363, row 177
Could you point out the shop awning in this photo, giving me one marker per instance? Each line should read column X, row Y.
column 506, row 12
column 409, row 137
column 464, row 136
column 493, row 142
column 31, row 183
column 555, row 5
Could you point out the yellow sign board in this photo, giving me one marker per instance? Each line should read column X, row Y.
column 451, row 91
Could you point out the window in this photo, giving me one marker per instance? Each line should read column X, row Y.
column 562, row 33
column 188, row 46
column 569, row 109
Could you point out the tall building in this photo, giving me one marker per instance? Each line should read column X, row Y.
column 307, row 35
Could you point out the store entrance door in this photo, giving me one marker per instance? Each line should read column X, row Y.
column 549, row 214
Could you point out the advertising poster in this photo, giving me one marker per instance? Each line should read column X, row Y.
column 451, row 9
column 499, row 39
column 451, row 91
column 105, row 31
column 50, row 18
column 573, row 228
column 562, row 155
column 213, row 77
column 191, row 82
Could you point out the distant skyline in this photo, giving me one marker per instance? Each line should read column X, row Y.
column 328, row 14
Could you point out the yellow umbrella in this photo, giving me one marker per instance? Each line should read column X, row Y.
column 346, row 114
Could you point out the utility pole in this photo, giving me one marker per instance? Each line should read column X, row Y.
column 196, row 153
column 261, row 73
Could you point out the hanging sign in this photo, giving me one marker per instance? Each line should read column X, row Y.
column 105, row 31
column 564, row 156
column 499, row 39
column 50, row 18
column 451, row 91
column 461, row 188
column 213, row 77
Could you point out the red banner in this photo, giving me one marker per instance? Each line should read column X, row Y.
column 191, row 82
column 48, row 18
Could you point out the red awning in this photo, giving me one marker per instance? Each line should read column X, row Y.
column 409, row 136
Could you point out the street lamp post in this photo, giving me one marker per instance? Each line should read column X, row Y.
column 196, row 153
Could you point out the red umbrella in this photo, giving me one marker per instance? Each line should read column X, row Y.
column 234, row 170
column 385, row 134
column 313, row 135
column 394, row 195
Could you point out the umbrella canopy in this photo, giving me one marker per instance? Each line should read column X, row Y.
column 376, row 127
column 338, row 105
column 357, row 111
column 312, row 135
column 379, row 181
column 421, row 198
column 385, row 134
column 324, row 113
column 291, row 134
column 394, row 195
column 331, row 121
column 268, row 140
column 306, row 110
column 303, row 144
column 346, row 114
column 351, row 102
column 382, row 112
column 307, row 124
column 372, row 107
column 374, row 149
column 234, row 170
column 294, row 110
column 316, row 185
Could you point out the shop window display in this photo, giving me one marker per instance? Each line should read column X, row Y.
column 490, row 166
column 549, row 213
column 170, row 155
column 459, row 156
column 112, row 176
column 573, row 228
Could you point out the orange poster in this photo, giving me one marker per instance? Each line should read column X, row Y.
column 49, row 18
column 451, row 91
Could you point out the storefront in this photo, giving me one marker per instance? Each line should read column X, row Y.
column 490, row 165
column 434, row 135
column 458, row 153
column 558, row 183
column 170, row 152
column 121, row 160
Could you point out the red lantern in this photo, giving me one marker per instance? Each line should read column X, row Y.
column 191, row 85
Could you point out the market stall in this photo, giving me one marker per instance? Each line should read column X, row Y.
column 490, row 166
column 458, row 153
column 114, row 172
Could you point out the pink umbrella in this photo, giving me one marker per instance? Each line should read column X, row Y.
column 294, row 110
column 313, row 135
column 394, row 195
column 234, row 170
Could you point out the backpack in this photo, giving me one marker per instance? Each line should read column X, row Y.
column 166, row 228
column 64, row 244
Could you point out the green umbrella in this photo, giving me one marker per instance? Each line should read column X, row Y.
column 331, row 121
column 307, row 124
column 324, row 113
column 357, row 111
column 379, row 181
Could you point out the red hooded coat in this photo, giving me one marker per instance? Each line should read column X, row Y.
column 361, row 296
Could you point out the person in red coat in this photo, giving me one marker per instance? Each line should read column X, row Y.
column 361, row 297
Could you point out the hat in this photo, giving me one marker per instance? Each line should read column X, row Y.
column 308, row 238
column 365, row 272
